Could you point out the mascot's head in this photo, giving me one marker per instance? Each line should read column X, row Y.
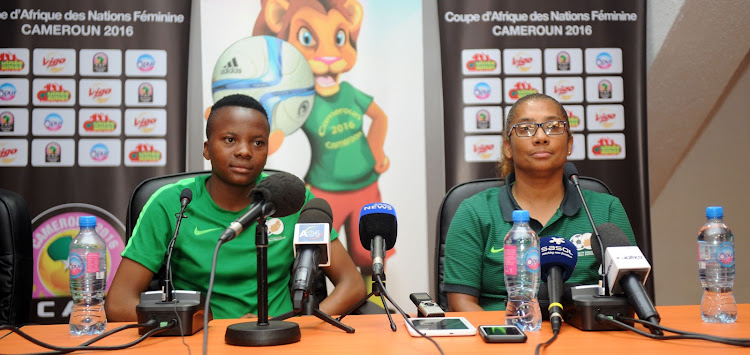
column 325, row 31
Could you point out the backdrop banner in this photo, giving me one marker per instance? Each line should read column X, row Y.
column 589, row 55
column 92, row 102
column 343, row 86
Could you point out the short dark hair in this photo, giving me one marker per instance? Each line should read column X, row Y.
column 238, row 100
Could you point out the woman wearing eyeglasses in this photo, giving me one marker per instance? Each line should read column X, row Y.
column 536, row 145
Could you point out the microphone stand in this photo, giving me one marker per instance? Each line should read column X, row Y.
column 264, row 332
column 309, row 306
column 377, row 281
column 604, row 287
column 168, row 289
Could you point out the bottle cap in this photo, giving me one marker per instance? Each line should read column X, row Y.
column 87, row 221
column 714, row 212
column 520, row 216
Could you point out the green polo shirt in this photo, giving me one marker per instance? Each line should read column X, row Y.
column 473, row 247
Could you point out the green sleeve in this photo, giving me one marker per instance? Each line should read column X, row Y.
column 464, row 248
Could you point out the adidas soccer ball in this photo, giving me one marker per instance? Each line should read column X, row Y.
column 273, row 72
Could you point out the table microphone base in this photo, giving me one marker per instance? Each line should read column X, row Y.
column 255, row 334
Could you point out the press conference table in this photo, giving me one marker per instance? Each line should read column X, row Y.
column 374, row 336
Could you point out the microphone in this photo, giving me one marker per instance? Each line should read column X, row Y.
column 627, row 269
column 569, row 169
column 558, row 260
column 312, row 247
column 377, row 232
column 278, row 195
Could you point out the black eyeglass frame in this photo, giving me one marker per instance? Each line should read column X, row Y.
column 512, row 128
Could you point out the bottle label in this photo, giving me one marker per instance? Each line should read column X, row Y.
column 725, row 254
column 531, row 260
column 75, row 265
column 92, row 262
column 509, row 260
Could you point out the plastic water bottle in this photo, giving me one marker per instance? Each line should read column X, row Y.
column 716, row 268
column 87, row 262
column 521, row 267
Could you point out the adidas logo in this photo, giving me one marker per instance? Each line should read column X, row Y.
column 231, row 67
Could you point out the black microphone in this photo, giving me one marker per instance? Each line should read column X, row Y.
column 377, row 232
column 278, row 195
column 571, row 172
column 312, row 247
column 167, row 295
column 627, row 269
column 558, row 261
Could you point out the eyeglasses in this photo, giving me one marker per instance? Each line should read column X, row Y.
column 528, row 129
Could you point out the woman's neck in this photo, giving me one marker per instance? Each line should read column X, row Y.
column 540, row 195
column 230, row 198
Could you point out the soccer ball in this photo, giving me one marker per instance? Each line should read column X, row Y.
column 273, row 72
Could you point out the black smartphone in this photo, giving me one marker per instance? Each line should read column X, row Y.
column 502, row 334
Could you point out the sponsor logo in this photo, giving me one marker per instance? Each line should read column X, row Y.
column 100, row 63
column 604, row 60
column 10, row 63
column 76, row 265
column 605, row 89
column 495, row 251
column 144, row 153
column 99, row 122
column 231, row 67
column 145, row 123
column 7, row 121
column 557, row 240
column 484, row 150
column 52, row 153
column 522, row 89
column 145, row 63
column 483, row 119
column 8, row 155
column 482, row 90
column 725, row 254
column 199, row 232
column 145, row 92
column 100, row 94
column 53, row 63
column 522, row 63
column 606, row 147
column 53, row 92
column 481, row 63
column 7, row 92
column 53, row 122
column 564, row 90
column 99, row 152
column 606, row 119
column 531, row 260
column 573, row 120
column 563, row 61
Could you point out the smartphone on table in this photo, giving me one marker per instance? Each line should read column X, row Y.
column 502, row 334
column 441, row 326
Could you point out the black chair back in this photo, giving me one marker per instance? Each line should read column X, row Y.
column 16, row 259
column 450, row 204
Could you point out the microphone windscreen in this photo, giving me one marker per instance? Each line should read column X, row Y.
column 186, row 194
column 556, row 251
column 569, row 169
column 378, row 219
column 316, row 210
column 285, row 191
column 612, row 236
